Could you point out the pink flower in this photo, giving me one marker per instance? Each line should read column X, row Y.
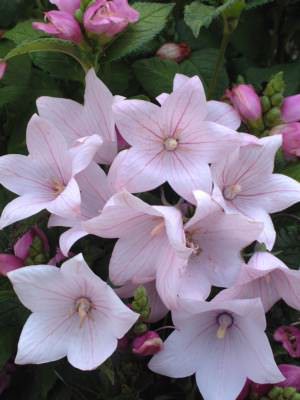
column 216, row 240
column 244, row 183
column 95, row 192
column 246, row 101
column 62, row 25
column 173, row 51
column 69, row 6
column 290, row 109
column 268, row 278
column 109, row 17
column 74, row 314
column 77, row 121
column 148, row 344
column 3, row 67
column 292, row 375
column 46, row 178
column 9, row 262
column 289, row 336
column 171, row 143
column 151, row 243
column 290, row 139
column 223, row 343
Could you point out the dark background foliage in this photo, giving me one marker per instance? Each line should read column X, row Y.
column 267, row 40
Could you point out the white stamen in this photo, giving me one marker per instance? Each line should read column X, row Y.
column 83, row 308
column 170, row 144
column 191, row 244
column 57, row 187
column 230, row 192
column 225, row 321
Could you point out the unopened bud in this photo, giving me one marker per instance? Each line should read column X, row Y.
column 148, row 344
column 246, row 101
column 275, row 392
column 290, row 110
column 277, row 99
column 272, row 117
column 266, row 104
column 3, row 67
column 173, row 51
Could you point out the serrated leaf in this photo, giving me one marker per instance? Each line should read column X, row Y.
column 22, row 32
column 153, row 18
column 50, row 45
column 197, row 15
column 257, row 3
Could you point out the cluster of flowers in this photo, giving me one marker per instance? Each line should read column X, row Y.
column 227, row 190
column 100, row 17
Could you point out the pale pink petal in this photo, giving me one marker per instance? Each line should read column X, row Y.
column 23, row 207
column 84, row 151
column 41, row 289
column 158, row 309
column 44, row 338
column 185, row 108
column 223, row 114
column 194, row 283
column 162, row 98
column 123, row 213
column 180, row 80
column 68, row 238
column 46, row 144
column 9, row 262
column 287, row 283
column 67, row 204
column 22, row 175
column 138, row 122
column 138, row 170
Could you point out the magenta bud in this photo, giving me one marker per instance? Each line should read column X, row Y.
column 174, row 51
column 61, row 25
column 290, row 109
column 3, row 67
column 148, row 344
column 292, row 375
column 24, row 243
column 290, row 139
column 289, row 336
column 246, row 102
column 69, row 6
column 9, row 262
column 122, row 144
column 109, row 17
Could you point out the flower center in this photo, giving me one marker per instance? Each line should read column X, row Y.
column 83, row 308
column 170, row 144
column 230, row 192
column 191, row 244
column 224, row 321
column 57, row 187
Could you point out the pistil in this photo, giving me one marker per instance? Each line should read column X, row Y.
column 230, row 192
column 83, row 308
column 225, row 321
column 170, row 144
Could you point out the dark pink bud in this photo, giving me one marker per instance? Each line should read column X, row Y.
column 109, row 17
column 245, row 391
column 290, row 109
column 59, row 257
column 290, row 139
column 9, row 262
column 62, row 25
column 174, row 51
column 122, row 144
column 148, row 344
column 3, row 67
column 246, row 102
column 23, row 244
column 69, row 6
column 292, row 374
column 289, row 336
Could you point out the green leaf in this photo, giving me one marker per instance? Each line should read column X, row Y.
column 22, row 32
column 293, row 171
column 153, row 18
column 257, row 3
column 52, row 45
column 155, row 70
column 197, row 15
column 8, row 342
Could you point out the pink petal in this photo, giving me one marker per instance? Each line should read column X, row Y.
column 9, row 262
column 194, row 283
column 138, row 122
column 223, row 114
column 67, row 204
column 84, row 151
column 68, row 238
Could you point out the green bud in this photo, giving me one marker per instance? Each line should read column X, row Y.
column 275, row 393
column 265, row 103
column 278, row 82
column 29, row 261
column 79, row 15
column 39, row 259
column 36, row 246
column 240, row 80
column 277, row 99
column 140, row 302
column 296, row 396
column 288, row 392
column 273, row 117
column 140, row 328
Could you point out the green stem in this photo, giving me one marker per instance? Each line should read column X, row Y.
column 225, row 41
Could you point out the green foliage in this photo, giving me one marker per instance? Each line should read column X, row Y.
column 256, row 3
column 153, row 18
column 23, row 32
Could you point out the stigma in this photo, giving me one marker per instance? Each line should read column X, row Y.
column 58, row 187
column 230, row 192
column 225, row 321
column 83, row 309
column 170, row 144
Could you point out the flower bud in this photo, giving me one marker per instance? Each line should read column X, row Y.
column 61, row 25
column 246, row 101
column 272, row 117
column 109, row 17
column 3, row 67
column 69, row 6
column 173, row 51
column 9, row 262
column 290, row 139
column 289, row 336
column 290, row 110
column 292, row 375
column 148, row 344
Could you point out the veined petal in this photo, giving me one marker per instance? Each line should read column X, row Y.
column 68, row 238
column 84, row 151
column 223, row 114
column 67, row 204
